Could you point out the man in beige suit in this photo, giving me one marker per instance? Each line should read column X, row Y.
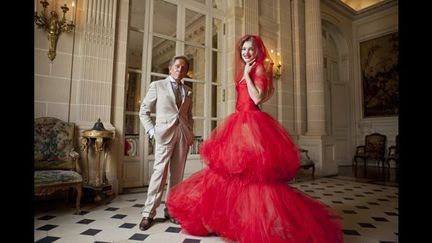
column 172, row 132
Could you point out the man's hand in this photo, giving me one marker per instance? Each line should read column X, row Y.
column 151, row 133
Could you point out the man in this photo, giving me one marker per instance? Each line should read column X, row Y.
column 172, row 132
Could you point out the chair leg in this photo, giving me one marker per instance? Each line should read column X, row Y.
column 313, row 172
column 78, row 199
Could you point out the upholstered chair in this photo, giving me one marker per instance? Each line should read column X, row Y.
column 373, row 150
column 306, row 162
column 56, row 163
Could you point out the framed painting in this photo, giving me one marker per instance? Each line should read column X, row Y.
column 380, row 75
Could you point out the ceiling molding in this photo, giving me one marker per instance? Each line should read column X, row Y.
column 353, row 14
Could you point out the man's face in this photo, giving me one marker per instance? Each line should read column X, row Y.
column 179, row 69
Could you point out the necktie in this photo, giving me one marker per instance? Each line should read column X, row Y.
column 178, row 95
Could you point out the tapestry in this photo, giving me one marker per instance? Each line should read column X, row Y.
column 380, row 75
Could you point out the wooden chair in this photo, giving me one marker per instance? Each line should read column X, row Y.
column 306, row 162
column 374, row 149
column 56, row 164
column 393, row 153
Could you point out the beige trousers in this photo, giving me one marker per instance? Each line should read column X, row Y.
column 170, row 156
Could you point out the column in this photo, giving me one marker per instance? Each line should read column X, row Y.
column 251, row 17
column 314, row 70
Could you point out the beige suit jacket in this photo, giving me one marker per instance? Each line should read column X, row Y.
column 160, row 99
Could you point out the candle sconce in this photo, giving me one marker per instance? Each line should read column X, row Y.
column 53, row 25
column 276, row 68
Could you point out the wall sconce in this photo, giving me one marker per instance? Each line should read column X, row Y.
column 277, row 60
column 53, row 25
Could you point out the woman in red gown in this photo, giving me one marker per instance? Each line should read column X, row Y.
column 243, row 195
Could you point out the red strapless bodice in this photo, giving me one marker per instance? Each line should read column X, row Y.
column 244, row 102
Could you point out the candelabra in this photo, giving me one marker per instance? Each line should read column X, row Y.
column 276, row 68
column 53, row 25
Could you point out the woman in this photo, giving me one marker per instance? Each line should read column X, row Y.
column 243, row 194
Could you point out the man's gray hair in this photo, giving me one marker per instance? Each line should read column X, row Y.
column 179, row 57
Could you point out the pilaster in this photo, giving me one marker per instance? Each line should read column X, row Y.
column 314, row 70
column 95, row 60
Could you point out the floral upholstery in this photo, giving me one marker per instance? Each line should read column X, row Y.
column 53, row 142
column 55, row 177
column 56, row 163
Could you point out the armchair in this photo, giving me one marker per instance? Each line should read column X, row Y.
column 374, row 149
column 306, row 162
column 393, row 153
column 56, row 164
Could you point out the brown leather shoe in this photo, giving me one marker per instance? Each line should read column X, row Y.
column 171, row 219
column 146, row 223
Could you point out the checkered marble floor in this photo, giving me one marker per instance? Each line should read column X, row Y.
column 369, row 212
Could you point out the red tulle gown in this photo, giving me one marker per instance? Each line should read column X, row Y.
column 243, row 195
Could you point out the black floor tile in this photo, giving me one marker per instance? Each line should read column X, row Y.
column 47, row 227
column 91, row 232
column 118, row 216
column 391, row 213
column 350, row 232
column 46, row 217
column 349, row 211
column 111, row 209
column 127, row 225
column 191, row 241
column 367, row 225
column 173, row 229
column 48, row 239
column 380, row 219
column 362, row 207
column 85, row 221
column 137, row 236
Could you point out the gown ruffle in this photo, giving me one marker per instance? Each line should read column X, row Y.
column 242, row 195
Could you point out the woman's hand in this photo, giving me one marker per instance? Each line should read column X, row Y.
column 248, row 67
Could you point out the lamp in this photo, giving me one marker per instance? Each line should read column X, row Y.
column 276, row 68
column 53, row 25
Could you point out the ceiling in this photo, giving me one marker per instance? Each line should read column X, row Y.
column 359, row 5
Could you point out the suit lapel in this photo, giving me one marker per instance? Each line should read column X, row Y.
column 168, row 86
column 169, row 89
